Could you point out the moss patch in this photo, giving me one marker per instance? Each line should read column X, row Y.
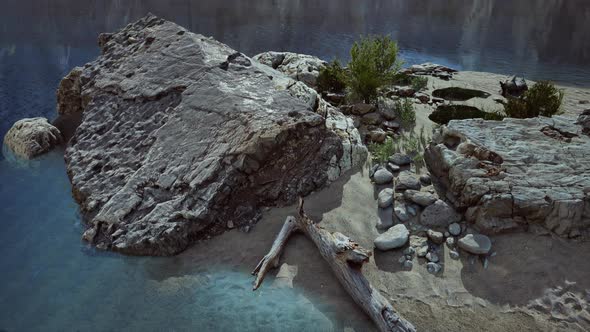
column 445, row 113
column 459, row 94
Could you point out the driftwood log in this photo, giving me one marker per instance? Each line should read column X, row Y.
column 346, row 259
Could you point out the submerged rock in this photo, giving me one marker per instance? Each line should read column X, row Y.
column 31, row 137
column 507, row 174
column 181, row 133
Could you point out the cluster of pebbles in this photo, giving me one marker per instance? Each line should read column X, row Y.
column 415, row 220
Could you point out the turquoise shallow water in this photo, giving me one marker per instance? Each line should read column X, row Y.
column 51, row 281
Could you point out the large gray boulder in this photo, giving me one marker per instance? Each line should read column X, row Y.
column 509, row 174
column 300, row 67
column 180, row 134
column 31, row 137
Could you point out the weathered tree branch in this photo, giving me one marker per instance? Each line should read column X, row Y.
column 346, row 259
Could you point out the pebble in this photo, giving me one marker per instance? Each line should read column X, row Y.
column 425, row 179
column 477, row 244
column 410, row 251
column 434, row 236
column 402, row 259
column 412, row 210
column 419, row 197
column 451, row 242
column 400, row 159
column 408, row 264
column 385, row 198
column 407, row 180
column 401, row 213
column 432, row 257
column 396, row 237
column 455, row 229
column 447, row 234
column 409, row 257
column 382, row 176
column 422, row 251
column 453, row 254
column 433, row 268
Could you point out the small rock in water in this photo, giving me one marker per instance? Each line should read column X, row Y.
column 455, row 229
column 408, row 264
column 402, row 259
column 447, row 234
column 453, row 254
column 395, row 237
column 433, row 268
column 477, row 244
column 400, row 159
column 385, row 197
column 408, row 257
column 432, row 257
column 382, row 176
column 434, row 236
column 407, row 180
column 425, row 179
column 401, row 213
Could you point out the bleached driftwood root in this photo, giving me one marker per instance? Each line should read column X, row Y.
column 346, row 259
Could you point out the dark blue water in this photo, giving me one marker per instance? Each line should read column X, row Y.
column 50, row 281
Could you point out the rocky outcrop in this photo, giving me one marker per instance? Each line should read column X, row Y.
column 300, row 67
column 182, row 135
column 31, row 137
column 516, row 173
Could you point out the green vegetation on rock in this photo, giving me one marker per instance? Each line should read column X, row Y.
column 332, row 78
column 418, row 82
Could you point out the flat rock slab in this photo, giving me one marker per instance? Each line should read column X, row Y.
column 182, row 135
column 507, row 175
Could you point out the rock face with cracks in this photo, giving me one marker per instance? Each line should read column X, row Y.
column 181, row 135
column 516, row 173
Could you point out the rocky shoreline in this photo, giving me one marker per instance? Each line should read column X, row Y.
column 173, row 137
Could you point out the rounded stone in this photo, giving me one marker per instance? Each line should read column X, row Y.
column 382, row 176
column 433, row 268
column 455, row 229
column 400, row 159
column 385, row 198
column 395, row 237
column 476, row 244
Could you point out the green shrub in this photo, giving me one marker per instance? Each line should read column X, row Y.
column 332, row 78
column 419, row 82
column 380, row 152
column 542, row 99
column 404, row 110
column 373, row 64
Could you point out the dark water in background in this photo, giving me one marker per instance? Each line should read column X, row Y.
column 49, row 281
